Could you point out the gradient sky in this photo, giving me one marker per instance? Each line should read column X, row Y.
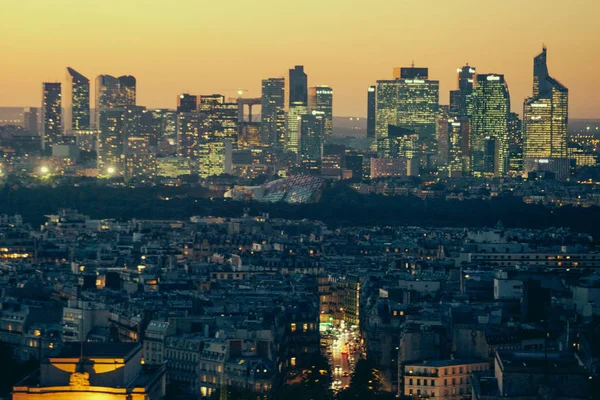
column 219, row 46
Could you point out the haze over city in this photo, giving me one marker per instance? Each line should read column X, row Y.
column 192, row 46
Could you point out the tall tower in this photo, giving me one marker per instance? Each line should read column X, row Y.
column 51, row 113
column 459, row 98
column 489, row 110
column 545, row 121
column 298, row 86
column 114, row 92
column 76, row 102
column 320, row 98
column 312, row 132
column 272, row 108
column 371, row 112
column 410, row 101
column 187, row 103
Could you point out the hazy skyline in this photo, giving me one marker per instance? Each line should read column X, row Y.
column 189, row 46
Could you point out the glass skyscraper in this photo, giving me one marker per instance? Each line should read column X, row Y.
column 114, row 92
column 489, row 110
column 292, row 142
column 51, row 113
column 459, row 98
column 298, row 86
column 545, row 118
column 272, row 110
column 76, row 102
column 320, row 98
column 371, row 101
column 410, row 101
column 312, row 133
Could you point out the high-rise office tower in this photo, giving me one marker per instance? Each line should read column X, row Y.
column 292, row 130
column 76, row 102
column 30, row 119
column 272, row 104
column 320, row 98
column 298, row 86
column 459, row 98
column 51, row 113
column 128, row 85
column 515, row 143
column 453, row 139
column 215, row 158
column 114, row 92
column 489, row 110
column 221, row 118
column 545, row 120
column 140, row 159
column 116, row 126
column 190, row 133
column 410, row 101
column 312, row 134
column 371, row 102
column 187, row 103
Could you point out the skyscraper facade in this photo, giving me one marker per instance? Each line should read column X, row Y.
column 371, row 101
column 545, row 118
column 187, row 103
column 298, row 86
column 114, row 92
column 272, row 107
column 489, row 110
column 312, row 134
column 116, row 126
column 76, row 102
column 459, row 98
column 292, row 142
column 320, row 98
column 411, row 101
column 515, row 143
column 51, row 113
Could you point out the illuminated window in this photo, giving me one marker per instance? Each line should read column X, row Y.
column 293, row 361
column 293, row 327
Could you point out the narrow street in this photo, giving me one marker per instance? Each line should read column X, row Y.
column 343, row 354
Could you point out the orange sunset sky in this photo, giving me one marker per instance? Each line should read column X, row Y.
column 210, row 46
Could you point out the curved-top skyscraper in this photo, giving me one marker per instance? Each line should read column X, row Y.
column 545, row 122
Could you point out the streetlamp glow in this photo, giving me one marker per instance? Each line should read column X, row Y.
column 44, row 170
column 111, row 170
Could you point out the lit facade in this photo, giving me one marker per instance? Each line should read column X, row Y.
column 111, row 371
column 116, row 126
column 545, row 117
column 298, row 86
column 410, row 101
column 140, row 159
column 320, row 98
column 214, row 158
column 371, row 102
column 51, row 113
column 292, row 142
column 76, row 102
column 489, row 111
column 272, row 110
column 459, row 98
column 441, row 379
column 190, row 133
column 312, row 134
column 114, row 92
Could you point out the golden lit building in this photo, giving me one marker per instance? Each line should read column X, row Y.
column 545, row 118
column 106, row 371
column 445, row 379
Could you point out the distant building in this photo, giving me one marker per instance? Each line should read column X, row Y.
column 320, row 98
column 298, row 86
column 312, row 135
column 114, row 92
column 51, row 113
column 292, row 130
column 371, row 113
column 76, row 102
column 410, row 101
column 489, row 112
column 187, row 103
column 272, row 122
column 107, row 370
column 459, row 99
column 545, row 119
column 437, row 380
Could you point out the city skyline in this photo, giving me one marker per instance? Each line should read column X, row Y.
column 361, row 45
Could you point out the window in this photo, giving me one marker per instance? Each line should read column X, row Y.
column 293, row 327
column 445, row 371
column 410, row 381
column 418, row 382
column 453, row 370
column 460, row 370
column 432, row 393
column 454, row 381
column 433, row 382
column 293, row 361
column 445, row 382
column 418, row 392
column 424, row 382
column 304, row 327
column 461, row 380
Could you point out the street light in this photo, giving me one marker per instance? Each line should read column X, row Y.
column 110, row 170
column 44, row 170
